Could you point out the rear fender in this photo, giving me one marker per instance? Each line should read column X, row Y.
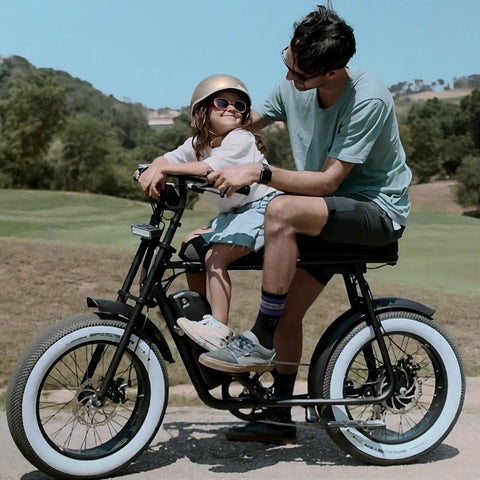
column 122, row 311
column 352, row 317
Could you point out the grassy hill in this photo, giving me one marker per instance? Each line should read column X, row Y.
column 76, row 218
column 57, row 248
column 404, row 103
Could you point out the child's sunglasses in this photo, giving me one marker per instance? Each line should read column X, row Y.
column 222, row 104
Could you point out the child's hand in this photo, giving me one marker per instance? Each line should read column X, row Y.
column 153, row 179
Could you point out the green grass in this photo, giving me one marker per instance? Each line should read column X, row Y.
column 77, row 218
column 437, row 251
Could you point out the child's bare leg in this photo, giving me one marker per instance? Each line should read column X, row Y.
column 217, row 260
column 197, row 281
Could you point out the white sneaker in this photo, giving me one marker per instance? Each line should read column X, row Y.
column 209, row 333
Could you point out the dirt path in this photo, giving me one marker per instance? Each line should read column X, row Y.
column 190, row 446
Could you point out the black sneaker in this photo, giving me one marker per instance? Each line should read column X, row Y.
column 266, row 432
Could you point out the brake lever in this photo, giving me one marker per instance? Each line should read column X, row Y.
column 141, row 167
column 205, row 187
column 245, row 190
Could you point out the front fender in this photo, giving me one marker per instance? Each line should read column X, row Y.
column 352, row 317
column 122, row 311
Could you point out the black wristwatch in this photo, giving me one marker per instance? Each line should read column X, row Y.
column 265, row 174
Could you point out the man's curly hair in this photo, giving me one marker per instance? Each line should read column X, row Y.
column 322, row 42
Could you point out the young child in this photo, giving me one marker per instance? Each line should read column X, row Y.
column 220, row 109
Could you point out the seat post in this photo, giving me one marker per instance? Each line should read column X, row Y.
column 351, row 282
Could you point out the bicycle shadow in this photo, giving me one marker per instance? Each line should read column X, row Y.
column 204, row 443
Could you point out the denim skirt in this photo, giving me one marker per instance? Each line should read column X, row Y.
column 242, row 226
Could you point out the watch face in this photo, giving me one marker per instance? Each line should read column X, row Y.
column 266, row 175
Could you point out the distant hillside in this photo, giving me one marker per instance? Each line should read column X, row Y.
column 81, row 95
column 417, row 86
column 403, row 103
column 449, row 95
column 77, row 137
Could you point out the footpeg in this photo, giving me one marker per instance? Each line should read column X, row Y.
column 311, row 415
column 352, row 424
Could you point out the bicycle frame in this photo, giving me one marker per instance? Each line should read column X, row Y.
column 154, row 257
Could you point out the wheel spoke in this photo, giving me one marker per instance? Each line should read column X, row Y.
column 67, row 408
column 406, row 413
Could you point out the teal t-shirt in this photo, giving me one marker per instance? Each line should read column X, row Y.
column 360, row 128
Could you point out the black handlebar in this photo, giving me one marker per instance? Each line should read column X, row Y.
column 198, row 183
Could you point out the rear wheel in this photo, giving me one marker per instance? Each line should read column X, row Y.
column 52, row 407
column 428, row 394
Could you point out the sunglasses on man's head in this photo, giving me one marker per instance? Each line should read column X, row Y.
column 222, row 104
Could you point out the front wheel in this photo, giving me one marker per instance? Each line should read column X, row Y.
column 428, row 394
column 52, row 411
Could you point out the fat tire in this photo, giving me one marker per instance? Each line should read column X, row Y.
column 448, row 386
column 84, row 331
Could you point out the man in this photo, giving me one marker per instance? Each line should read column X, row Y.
column 351, row 186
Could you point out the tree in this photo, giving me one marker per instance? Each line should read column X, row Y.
column 452, row 151
column 131, row 125
column 431, row 127
column 89, row 156
column 468, row 118
column 468, row 176
column 426, row 149
column 171, row 136
column 406, row 137
column 29, row 119
column 279, row 151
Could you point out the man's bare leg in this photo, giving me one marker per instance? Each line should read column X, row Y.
column 288, row 341
column 286, row 217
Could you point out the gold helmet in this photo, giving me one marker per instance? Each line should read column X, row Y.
column 214, row 83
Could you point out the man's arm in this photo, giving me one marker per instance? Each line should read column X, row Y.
column 257, row 122
column 315, row 184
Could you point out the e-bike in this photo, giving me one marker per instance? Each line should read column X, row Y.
column 89, row 394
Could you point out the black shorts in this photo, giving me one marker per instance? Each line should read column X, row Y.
column 355, row 222
column 360, row 222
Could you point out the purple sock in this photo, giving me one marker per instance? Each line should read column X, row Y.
column 271, row 308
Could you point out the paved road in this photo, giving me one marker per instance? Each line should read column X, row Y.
column 191, row 446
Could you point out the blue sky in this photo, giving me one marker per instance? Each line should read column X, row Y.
column 155, row 51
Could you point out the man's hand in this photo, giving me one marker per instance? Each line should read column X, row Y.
column 230, row 179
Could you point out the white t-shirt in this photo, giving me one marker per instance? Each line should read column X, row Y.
column 237, row 147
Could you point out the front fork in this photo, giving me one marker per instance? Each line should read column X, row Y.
column 149, row 279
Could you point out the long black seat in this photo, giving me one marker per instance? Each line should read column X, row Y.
column 315, row 252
